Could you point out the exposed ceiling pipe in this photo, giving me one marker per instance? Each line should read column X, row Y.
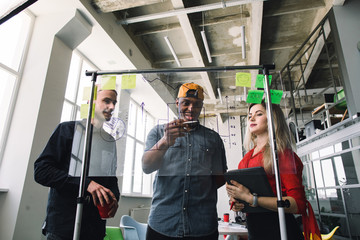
column 181, row 11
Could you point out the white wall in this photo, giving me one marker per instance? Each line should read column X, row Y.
column 230, row 132
column 41, row 89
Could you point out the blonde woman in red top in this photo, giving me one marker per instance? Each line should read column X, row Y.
column 265, row 225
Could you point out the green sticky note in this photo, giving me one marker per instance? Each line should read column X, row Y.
column 255, row 96
column 243, row 79
column 128, row 81
column 84, row 111
column 108, row 82
column 276, row 96
column 260, row 81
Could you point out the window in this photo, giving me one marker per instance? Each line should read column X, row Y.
column 75, row 84
column 14, row 35
column 135, row 181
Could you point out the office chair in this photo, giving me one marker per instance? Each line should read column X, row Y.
column 113, row 233
column 133, row 230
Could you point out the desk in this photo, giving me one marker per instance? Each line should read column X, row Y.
column 232, row 230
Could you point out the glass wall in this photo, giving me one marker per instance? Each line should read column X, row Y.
column 331, row 178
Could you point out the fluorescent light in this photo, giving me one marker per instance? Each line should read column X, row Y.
column 243, row 46
column 220, row 97
column 172, row 50
column 206, row 45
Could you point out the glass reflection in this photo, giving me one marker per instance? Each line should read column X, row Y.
column 330, row 201
column 318, row 174
column 314, row 155
column 351, row 196
column 340, row 172
column 355, row 141
column 351, row 169
column 326, row 151
column 329, row 177
column 329, row 222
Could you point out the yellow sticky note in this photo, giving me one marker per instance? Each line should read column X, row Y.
column 128, row 81
column 84, row 111
column 108, row 82
column 255, row 96
column 86, row 93
column 243, row 79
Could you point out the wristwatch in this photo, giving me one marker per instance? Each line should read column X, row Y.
column 255, row 200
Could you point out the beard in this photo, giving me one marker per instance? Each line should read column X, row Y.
column 107, row 114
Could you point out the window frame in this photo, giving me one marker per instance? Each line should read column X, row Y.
column 18, row 74
column 136, row 141
column 75, row 108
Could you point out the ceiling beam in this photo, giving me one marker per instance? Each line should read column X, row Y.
column 182, row 11
column 124, row 42
column 279, row 46
column 303, row 8
column 224, row 19
column 116, row 5
column 192, row 43
column 158, row 29
column 208, row 22
column 171, row 59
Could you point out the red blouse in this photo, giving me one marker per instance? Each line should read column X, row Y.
column 290, row 174
column 291, row 185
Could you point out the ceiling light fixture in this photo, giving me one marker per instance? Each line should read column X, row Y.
column 220, row 97
column 243, row 46
column 203, row 36
column 172, row 50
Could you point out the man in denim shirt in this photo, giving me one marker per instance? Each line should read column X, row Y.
column 190, row 161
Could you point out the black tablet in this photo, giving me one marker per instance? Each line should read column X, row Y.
column 255, row 180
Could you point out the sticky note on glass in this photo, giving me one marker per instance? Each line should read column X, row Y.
column 84, row 111
column 87, row 93
column 276, row 96
column 243, row 79
column 260, row 81
column 255, row 96
column 108, row 82
column 128, row 81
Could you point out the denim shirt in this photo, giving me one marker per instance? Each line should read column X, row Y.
column 185, row 191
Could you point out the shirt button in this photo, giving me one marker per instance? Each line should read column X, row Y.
column 187, row 174
column 189, row 159
column 184, row 209
column 190, row 145
column 186, row 190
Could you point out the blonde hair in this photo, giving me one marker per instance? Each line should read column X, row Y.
column 284, row 139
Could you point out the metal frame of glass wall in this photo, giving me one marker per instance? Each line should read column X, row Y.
column 331, row 178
